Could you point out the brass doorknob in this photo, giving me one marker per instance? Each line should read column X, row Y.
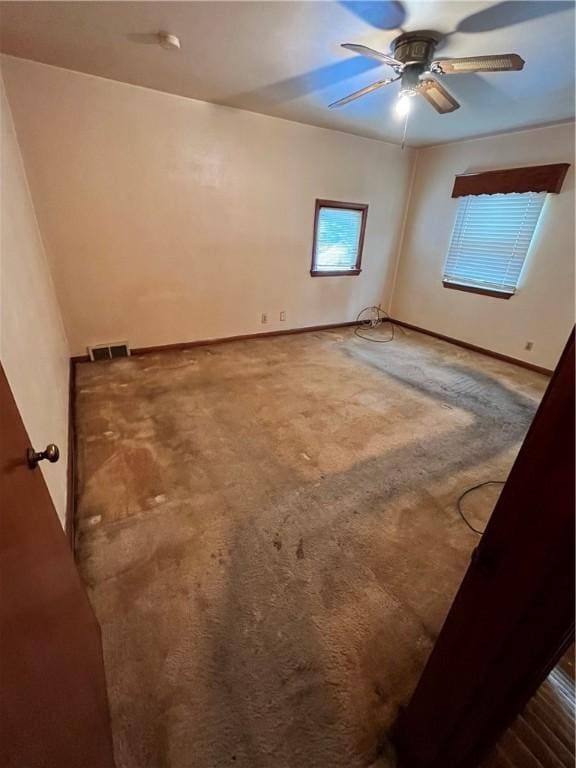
column 51, row 453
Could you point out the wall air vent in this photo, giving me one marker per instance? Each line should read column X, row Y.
column 109, row 351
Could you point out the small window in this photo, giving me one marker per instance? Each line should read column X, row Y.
column 338, row 238
column 491, row 238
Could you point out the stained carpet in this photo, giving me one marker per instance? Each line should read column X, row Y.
column 268, row 533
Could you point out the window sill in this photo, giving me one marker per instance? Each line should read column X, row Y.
column 334, row 273
column 482, row 291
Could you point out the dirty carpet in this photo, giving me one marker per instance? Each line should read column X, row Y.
column 268, row 533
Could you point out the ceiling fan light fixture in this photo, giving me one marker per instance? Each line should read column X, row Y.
column 403, row 104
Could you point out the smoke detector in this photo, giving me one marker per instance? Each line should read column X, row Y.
column 168, row 41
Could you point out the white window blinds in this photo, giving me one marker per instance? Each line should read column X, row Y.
column 337, row 239
column 491, row 238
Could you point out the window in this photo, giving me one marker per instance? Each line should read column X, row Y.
column 338, row 238
column 491, row 238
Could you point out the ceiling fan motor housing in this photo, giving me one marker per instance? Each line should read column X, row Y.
column 415, row 47
column 415, row 50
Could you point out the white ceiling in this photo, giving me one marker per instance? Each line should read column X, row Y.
column 284, row 59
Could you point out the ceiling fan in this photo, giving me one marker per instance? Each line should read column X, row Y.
column 413, row 61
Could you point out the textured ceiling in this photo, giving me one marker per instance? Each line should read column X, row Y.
column 284, row 58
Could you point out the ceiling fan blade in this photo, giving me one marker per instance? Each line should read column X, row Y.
column 505, row 62
column 436, row 95
column 380, row 14
column 363, row 50
column 362, row 92
column 509, row 13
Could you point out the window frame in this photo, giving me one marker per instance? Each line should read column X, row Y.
column 476, row 289
column 488, row 291
column 357, row 269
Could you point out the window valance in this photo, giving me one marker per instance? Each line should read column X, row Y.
column 534, row 178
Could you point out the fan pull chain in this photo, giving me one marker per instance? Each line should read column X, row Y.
column 405, row 130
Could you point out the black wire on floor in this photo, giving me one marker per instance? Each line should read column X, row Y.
column 376, row 319
column 469, row 490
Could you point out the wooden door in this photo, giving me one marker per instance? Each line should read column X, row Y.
column 513, row 616
column 53, row 705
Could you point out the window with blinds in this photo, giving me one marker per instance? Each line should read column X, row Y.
column 490, row 241
column 338, row 238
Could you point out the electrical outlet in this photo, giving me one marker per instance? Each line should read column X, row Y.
column 264, row 318
column 283, row 315
column 528, row 346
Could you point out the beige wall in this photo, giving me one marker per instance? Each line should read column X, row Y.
column 168, row 219
column 33, row 346
column 542, row 311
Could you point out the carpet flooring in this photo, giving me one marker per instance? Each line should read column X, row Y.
column 268, row 533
